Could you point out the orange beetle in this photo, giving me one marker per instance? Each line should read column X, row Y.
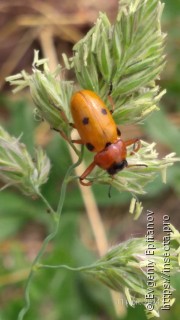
column 99, row 133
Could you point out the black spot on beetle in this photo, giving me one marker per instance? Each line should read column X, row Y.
column 90, row 146
column 104, row 111
column 85, row 120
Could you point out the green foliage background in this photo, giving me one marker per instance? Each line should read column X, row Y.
column 59, row 294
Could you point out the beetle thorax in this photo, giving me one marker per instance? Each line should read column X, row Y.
column 112, row 158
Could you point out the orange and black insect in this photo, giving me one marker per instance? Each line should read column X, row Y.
column 99, row 133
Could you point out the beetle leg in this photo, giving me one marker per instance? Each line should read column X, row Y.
column 62, row 134
column 136, row 144
column 86, row 173
column 86, row 184
column 63, row 115
column 78, row 141
column 136, row 147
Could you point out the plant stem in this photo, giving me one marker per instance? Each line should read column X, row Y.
column 47, row 204
column 57, row 215
column 63, row 266
column 94, row 266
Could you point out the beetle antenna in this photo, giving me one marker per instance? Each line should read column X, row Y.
column 109, row 191
column 137, row 165
column 110, row 88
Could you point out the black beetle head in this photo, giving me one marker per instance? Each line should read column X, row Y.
column 117, row 167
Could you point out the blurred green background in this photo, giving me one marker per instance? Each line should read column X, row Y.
column 25, row 222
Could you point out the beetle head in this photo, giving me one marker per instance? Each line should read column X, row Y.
column 112, row 158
